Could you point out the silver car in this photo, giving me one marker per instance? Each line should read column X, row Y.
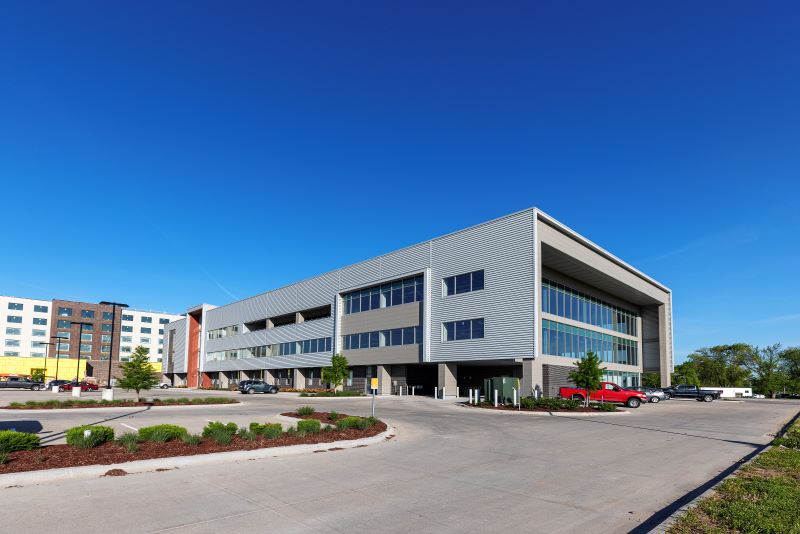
column 653, row 394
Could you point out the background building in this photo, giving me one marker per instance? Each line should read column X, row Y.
column 522, row 295
column 26, row 323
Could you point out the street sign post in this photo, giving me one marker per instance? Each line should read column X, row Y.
column 374, row 386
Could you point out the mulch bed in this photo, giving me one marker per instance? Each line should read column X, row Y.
column 55, row 456
column 582, row 409
column 322, row 417
column 130, row 404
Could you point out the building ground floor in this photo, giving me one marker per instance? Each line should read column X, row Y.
column 543, row 376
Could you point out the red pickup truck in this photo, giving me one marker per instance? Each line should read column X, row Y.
column 608, row 392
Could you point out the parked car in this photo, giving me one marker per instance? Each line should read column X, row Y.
column 56, row 383
column 759, row 396
column 608, row 392
column 692, row 392
column 85, row 386
column 654, row 395
column 256, row 386
column 21, row 382
column 164, row 385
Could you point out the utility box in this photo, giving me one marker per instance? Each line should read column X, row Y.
column 505, row 386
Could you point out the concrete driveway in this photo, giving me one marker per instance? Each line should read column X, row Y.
column 450, row 469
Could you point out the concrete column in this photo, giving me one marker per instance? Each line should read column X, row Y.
column 269, row 377
column 384, row 380
column 270, row 324
column 298, row 317
column 224, row 382
column 532, row 377
column 663, row 345
column 299, row 379
column 448, row 373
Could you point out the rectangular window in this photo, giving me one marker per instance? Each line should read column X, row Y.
column 163, row 321
column 145, row 330
column 37, row 345
column 62, row 335
column 41, row 309
column 463, row 283
column 64, row 347
column 105, row 339
column 39, row 333
column 86, row 337
column 15, row 306
column 127, row 339
column 408, row 335
column 11, row 353
column 108, row 316
column 88, row 327
column 126, row 328
column 64, row 312
column 40, row 321
column 461, row 330
column 87, row 314
column 147, row 319
column 105, row 348
column 62, row 323
column 145, row 340
column 125, row 349
column 14, row 319
column 12, row 342
column 126, row 317
column 13, row 331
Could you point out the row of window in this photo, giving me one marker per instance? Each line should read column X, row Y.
column 464, row 329
column 18, row 306
column 142, row 330
column 573, row 342
column 565, row 302
column 384, row 295
column 462, row 283
column 145, row 319
column 410, row 335
column 624, row 379
column 223, row 332
column 17, row 319
column 10, row 331
column 306, row 346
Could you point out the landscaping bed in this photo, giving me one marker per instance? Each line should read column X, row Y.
column 92, row 403
column 331, row 393
column 763, row 496
column 163, row 441
column 529, row 404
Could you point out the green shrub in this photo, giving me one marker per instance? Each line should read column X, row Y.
column 334, row 416
column 309, row 426
column 249, row 435
column 304, row 394
column 542, row 403
column 96, row 435
column 305, row 410
column 351, row 421
column 192, row 439
column 791, row 439
column 162, row 433
column 268, row 430
column 216, row 426
column 221, row 436
column 11, row 440
column 130, row 441
column 3, row 457
column 328, row 428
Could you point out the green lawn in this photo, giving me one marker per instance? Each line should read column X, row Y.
column 763, row 496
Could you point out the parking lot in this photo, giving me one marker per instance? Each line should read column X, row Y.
column 450, row 468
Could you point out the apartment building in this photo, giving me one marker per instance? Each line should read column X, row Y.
column 522, row 296
column 24, row 325
column 27, row 323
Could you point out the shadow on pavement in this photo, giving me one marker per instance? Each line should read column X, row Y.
column 25, row 425
column 59, row 435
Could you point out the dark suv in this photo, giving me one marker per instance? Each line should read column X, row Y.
column 256, row 386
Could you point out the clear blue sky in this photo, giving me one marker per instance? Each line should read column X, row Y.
column 168, row 153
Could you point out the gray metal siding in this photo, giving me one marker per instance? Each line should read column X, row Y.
column 179, row 364
column 382, row 319
column 504, row 250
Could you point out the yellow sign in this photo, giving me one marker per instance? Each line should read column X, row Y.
column 374, row 384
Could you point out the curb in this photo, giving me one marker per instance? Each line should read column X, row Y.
column 28, row 478
column 6, row 409
column 552, row 414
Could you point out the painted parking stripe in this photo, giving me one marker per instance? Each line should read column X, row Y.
column 129, row 426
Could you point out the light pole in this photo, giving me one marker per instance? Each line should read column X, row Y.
column 58, row 352
column 46, row 351
column 80, row 340
column 114, row 306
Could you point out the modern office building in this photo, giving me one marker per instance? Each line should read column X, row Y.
column 522, row 295
column 24, row 325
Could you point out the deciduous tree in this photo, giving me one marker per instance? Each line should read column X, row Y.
column 588, row 374
column 138, row 374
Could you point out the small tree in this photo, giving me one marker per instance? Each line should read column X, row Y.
column 587, row 374
column 138, row 374
column 37, row 374
column 337, row 372
column 651, row 380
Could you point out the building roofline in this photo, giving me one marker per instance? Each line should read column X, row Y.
column 569, row 232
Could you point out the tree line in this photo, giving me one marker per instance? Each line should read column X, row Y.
column 768, row 370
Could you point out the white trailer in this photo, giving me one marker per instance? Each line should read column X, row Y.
column 732, row 393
